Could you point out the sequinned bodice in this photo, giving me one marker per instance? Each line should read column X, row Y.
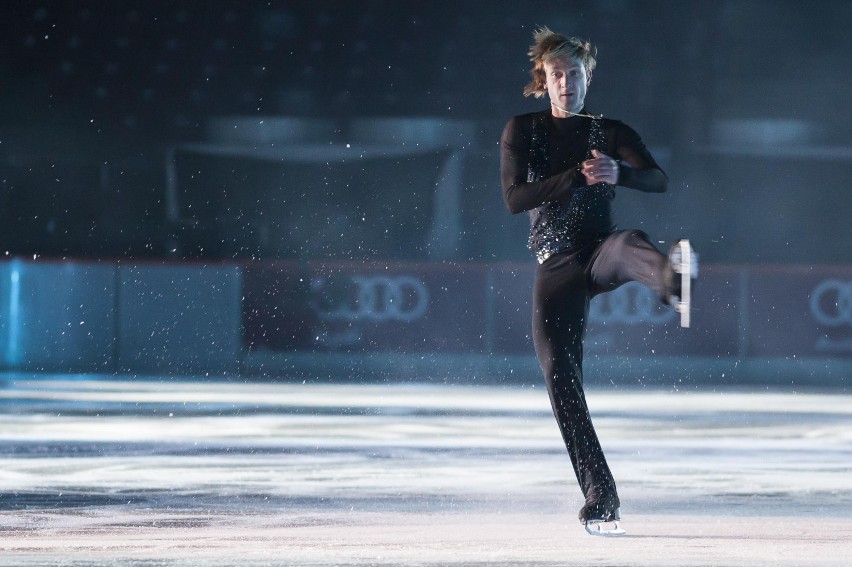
column 558, row 226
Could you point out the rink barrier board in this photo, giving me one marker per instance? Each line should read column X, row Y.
column 369, row 318
column 57, row 315
column 179, row 318
column 96, row 317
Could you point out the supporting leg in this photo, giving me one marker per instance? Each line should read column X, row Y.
column 560, row 308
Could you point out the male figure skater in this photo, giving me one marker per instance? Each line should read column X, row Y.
column 561, row 165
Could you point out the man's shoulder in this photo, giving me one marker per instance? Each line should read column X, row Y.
column 612, row 122
column 521, row 125
column 619, row 130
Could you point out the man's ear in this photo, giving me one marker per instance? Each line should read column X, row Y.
column 588, row 78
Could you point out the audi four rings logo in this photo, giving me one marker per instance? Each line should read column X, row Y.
column 831, row 303
column 630, row 304
column 374, row 298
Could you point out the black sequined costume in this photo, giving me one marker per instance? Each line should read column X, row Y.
column 540, row 171
column 580, row 254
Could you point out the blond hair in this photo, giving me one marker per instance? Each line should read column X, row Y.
column 550, row 45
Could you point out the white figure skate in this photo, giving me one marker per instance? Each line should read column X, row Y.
column 595, row 527
column 684, row 263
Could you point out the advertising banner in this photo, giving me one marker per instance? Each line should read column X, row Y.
column 804, row 311
column 358, row 307
column 487, row 308
column 510, row 289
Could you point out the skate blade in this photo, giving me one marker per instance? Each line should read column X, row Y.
column 688, row 271
column 596, row 529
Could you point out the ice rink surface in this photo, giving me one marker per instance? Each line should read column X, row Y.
column 160, row 472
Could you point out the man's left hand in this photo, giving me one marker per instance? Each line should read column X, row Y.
column 601, row 168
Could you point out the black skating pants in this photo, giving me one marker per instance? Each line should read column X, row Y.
column 564, row 285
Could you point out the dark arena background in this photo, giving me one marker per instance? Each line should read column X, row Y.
column 261, row 302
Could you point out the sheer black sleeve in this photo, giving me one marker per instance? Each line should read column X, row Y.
column 519, row 194
column 637, row 168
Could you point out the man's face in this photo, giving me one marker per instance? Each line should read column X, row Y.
column 567, row 82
